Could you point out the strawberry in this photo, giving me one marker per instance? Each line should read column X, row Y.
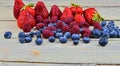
column 55, row 11
column 29, row 9
column 25, row 17
column 41, row 9
column 79, row 18
column 91, row 15
column 67, row 16
column 76, row 9
column 18, row 4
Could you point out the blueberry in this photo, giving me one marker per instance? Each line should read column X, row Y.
column 51, row 39
column 38, row 34
column 31, row 34
column 59, row 30
column 38, row 41
column 75, row 36
column 28, row 39
column 103, row 41
column 27, row 35
column 55, row 24
column 67, row 34
column 111, row 23
column 58, row 35
column 96, row 33
column 21, row 34
column 63, row 39
column 7, row 35
column 50, row 24
column 22, row 40
column 103, row 23
column 81, row 29
column 86, row 39
column 75, row 42
column 113, row 34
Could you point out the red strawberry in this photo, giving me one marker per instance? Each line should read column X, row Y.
column 79, row 18
column 25, row 17
column 67, row 16
column 76, row 9
column 18, row 4
column 91, row 15
column 41, row 9
column 55, row 11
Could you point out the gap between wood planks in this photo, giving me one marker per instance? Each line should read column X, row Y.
column 57, row 62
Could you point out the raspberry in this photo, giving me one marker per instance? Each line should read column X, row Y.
column 39, row 19
column 47, row 33
column 65, row 29
column 47, row 21
column 86, row 32
column 60, row 24
column 27, row 27
column 84, row 25
column 51, row 28
column 75, row 30
column 73, row 24
column 40, row 25
column 54, row 19
column 97, row 26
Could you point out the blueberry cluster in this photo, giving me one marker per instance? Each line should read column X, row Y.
column 105, row 31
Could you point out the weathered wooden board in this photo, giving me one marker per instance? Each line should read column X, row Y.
column 12, row 53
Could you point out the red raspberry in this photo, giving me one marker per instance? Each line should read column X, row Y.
column 86, row 32
column 72, row 24
column 51, row 28
column 39, row 19
column 60, row 24
column 47, row 33
column 75, row 30
column 27, row 27
column 65, row 29
column 54, row 19
column 84, row 25
column 40, row 25
column 97, row 26
column 47, row 21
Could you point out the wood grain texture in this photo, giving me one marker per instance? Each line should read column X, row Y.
column 12, row 53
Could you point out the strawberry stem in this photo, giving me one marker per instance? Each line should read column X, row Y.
column 74, row 5
column 30, row 5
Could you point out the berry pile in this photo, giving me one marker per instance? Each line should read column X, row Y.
column 73, row 23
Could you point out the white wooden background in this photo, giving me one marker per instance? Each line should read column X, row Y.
column 12, row 53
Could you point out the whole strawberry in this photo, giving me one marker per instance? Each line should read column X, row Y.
column 76, row 9
column 41, row 9
column 91, row 15
column 79, row 18
column 55, row 11
column 18, row 4
column 67, row 16
column 24, row 18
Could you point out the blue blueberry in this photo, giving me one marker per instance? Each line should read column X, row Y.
column 67, row 34
column 55, row 24
column 75, row 42
column 63, row 39
column 7, row 35
column 32, row 34
column 59, row 30
column 58, row 35
column 103, row 23
column 113, row 34
column 22, row 40
column 50, row 24
column 96, row 33
column 38, row 34
column 21, row 34
column 111, row 23
column 27, row 35
column 51, row 39
column 81, row 29
column 86, row 39
column 75, row 36
column 103, row 41
column 38, row 41
column 28, row 39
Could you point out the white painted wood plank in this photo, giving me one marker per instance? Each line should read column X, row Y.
column 68, row 2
